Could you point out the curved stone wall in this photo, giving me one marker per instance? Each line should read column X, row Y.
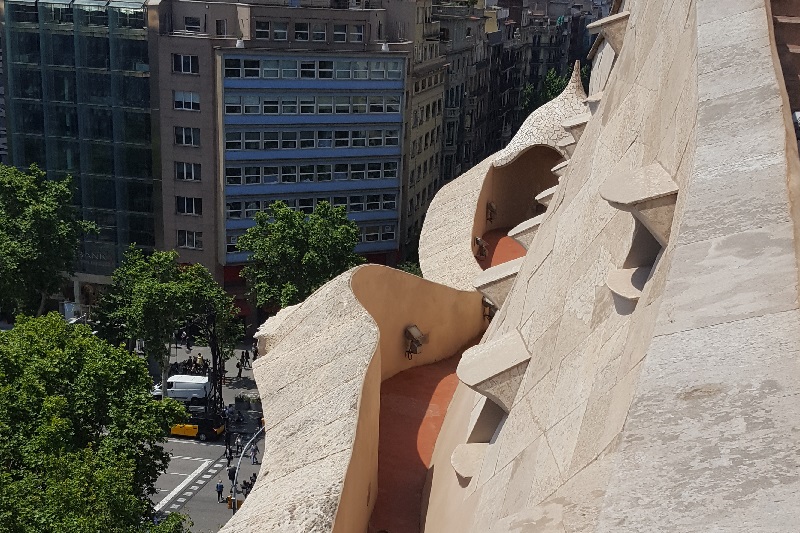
column 320, row 387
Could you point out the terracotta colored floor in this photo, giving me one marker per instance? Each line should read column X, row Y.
column 413, row 405
column 501, row 248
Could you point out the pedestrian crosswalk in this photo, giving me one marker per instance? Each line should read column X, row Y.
column 193, row 483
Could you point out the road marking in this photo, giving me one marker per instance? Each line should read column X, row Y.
column 213, row 471
column 175, row 506
column 218, row 465
column 194, row 487
column 177, row 490
column 207, row 476
column 201, row 481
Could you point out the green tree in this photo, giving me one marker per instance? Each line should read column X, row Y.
column 81, row 448
column 410, row 267
column 40, row 232
column 293, row 254
column 152, row 297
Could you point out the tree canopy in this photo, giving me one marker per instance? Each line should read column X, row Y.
column 81, row 433
column 40, row 232
column 151, row 297
column 293, row 254
column 554, row 84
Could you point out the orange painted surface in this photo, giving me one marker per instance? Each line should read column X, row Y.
column 413, row 405
column 501, row 248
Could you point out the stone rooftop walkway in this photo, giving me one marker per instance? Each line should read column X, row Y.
column 413, row 405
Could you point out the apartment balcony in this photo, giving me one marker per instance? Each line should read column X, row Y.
column 430, row 30
column 452, row 112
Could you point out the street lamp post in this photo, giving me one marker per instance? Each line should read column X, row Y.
column 239, row 463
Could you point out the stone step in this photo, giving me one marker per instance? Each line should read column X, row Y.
column 612, row 29
column 576, row 125
column 560, row 169
column 546, row 196
column 627, row 283
column 467, row 459
column 524, row 232
column 594, row 102
column 567, row 144
column 496, row 282
column 495, row 369
column 781, row 19
column 649, row 193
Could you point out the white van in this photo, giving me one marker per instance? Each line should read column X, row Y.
column 190, row 389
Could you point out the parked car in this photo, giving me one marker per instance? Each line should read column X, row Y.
column 185, row 388
column 201, row 427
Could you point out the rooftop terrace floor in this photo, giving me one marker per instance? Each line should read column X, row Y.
column 501, row 248
column 413, row 405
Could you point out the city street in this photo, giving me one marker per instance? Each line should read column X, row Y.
column 188, row 485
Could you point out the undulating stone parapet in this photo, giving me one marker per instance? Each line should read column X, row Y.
column 320, row 389
column 468, row 458
column 546, row 196
column 495, row 369
column 575, row 125
column 560, row 169
column 544, row 126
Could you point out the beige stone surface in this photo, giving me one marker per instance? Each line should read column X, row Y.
column 467, row 458
column 613, row 29
column 495, row 282
column 524, row 232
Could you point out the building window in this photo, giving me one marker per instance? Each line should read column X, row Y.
column 391, row 137
column 356, row 203
column 375, row 137
column 233, row 210
column 377, row 71
column 191, row 24
column 270, row 105
column 251, row 207
column 230, row 244
column 271, row 140
column 251, row 105
column 372, row 233
column 325, row 105
column 394, row 70
column 252, row 140
column 343, row 70
column 288, row 69
column 262, row 29
column 222, row 27
column 233, row 105
column 233, row 140
column 252, row 68
column 271, row 174
column 233, row 68
column 190, row 239
column 325, row 71
column 308, row 69
column 339, row 201
column 324, row 139
column 280, row 31
column 319, row 32
column 323, row 172
column 341, row 139
column 389, row 201
column 373, row 171
column 358, row 171
column 289, row 174
column 187, row 171
column 358, row 138
column 307, row 105
column 306, row 205
column 301, row 31
column 187, row 136
column 252, row 175
column 288, row 140
column 306, row 173
column 307, row 139
column 340, row 171
column 233, row 175
column 289, row 105
column 186, row 100
column 373, row 201
column 390, row 169
column 357, row 33
column 185, row 205
column 271, row 69
column 392, row 104
column 185, row 64
column 388, row 232
column 376, row 104
column 360, row 70
column 359, row 104
column 340, row 33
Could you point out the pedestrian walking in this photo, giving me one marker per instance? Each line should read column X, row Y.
column 254, row 454
column 239, row 370
column 247, row 359
column 238, row 444
column 220, row 487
